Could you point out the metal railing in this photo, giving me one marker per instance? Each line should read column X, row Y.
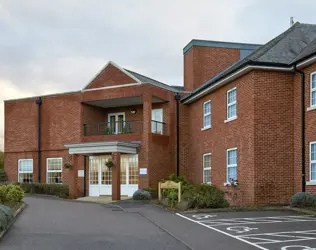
column 113, row 128
column 122, row 127
column 158, row 127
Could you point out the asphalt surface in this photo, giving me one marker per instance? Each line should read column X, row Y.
column 57, row 224
column 262, row 230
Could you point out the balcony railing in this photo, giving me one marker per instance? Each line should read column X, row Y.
column 122, row 127
column 113, row 128
column 158, row 127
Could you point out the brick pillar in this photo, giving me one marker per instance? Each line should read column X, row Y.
column 146, row 140
column 73, row 173
column 116, row 176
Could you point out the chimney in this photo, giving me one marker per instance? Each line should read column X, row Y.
column 205, row 59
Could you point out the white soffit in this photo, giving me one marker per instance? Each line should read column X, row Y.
column 103, row 147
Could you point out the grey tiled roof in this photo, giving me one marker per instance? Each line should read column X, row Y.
column 145, row 79
column 295, row 43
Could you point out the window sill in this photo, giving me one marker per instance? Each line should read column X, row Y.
column 206, row 128
column 311, row 183
column 311, row 108
column 230, row 119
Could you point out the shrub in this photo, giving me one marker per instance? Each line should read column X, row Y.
column 11, row 194
column 302, row 199
column 15, row 194
column 6, row 216
column 59, row 190
column 7, row 211
column 141, row 194
column 205, row 196
column 152, row 191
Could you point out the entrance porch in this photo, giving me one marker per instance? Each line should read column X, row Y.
column 120, row 179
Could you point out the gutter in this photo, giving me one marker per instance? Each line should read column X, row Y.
column 302, row 126
column 209, row 87
column 39, row 103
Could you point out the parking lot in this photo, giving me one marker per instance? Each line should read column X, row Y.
column 263, row 230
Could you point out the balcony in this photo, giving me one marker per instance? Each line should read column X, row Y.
column 122, row 127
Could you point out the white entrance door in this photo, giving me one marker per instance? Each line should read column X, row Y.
column 157, row 121
column 116, row 123
column 100, row 176
column 129, row 174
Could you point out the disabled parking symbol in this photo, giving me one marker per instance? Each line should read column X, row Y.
column 240, row 229
column 298, row 248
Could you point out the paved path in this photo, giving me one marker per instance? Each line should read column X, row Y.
column 56, row 224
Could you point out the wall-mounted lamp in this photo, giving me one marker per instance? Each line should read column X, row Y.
column 133, row 111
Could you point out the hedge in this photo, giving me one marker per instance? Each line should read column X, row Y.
column 59, row 190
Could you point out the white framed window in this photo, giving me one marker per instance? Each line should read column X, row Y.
column 231, row 165
column 232, row 104
column 25, row 169
column 116, row 123
column 207, row 119
column 312, row 164
column 313, row 90
column 207, row 177
column 54, row 170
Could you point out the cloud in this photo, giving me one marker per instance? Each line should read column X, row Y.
column 56, row 46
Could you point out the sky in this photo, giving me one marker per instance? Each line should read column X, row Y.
column 57, row 46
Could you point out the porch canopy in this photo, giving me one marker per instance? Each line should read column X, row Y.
column 113, row 147
column 89, row 148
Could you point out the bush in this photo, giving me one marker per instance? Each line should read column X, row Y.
column 59, row 190
column 302, row 199
column 11, row 194
column 153, row 192
column 6, row 216
column 205, row 196
column 141, row 194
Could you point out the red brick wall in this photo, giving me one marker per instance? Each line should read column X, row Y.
column 273, row 137
column 310, row 129
column 202, row 63
column 110, row 76
column 222, row 136
column 20, row 126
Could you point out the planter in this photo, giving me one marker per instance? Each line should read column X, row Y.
column 109, row 164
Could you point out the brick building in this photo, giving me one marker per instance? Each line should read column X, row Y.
column 240, row 117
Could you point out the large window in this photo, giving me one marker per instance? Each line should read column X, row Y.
column 207, row 109
column 54, row 170
column 231, row 104
column 313, row 89
column 25, row 167
column 231, row 165
column 207, row 178
column 312, row 161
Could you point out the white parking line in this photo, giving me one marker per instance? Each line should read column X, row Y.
column 259, row 239
column 220, row 231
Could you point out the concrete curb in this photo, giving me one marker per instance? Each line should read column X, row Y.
column 302, row 210
column 16, row 214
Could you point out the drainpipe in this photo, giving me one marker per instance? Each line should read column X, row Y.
column 85, row 176
column 178, row 97
column 302, row 125
column 39, row 103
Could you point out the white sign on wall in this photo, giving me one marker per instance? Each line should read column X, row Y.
column 80, row 173
column 143, row 171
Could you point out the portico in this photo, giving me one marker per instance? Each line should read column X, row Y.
column 121, row 179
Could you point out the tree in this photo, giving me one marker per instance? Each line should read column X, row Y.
column 1, row 159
